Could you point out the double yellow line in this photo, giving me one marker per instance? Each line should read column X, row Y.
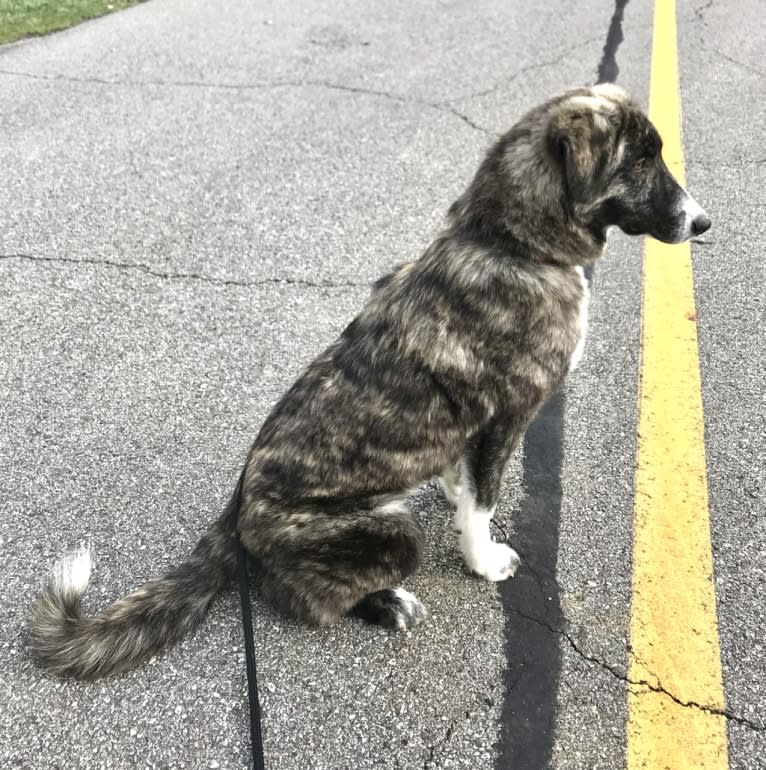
column 672, row 719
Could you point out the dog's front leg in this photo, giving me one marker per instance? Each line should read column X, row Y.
column 481, row 476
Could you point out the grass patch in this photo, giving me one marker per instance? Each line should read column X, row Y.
column 24, row 18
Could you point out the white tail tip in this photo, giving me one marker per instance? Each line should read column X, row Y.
column 72, row 573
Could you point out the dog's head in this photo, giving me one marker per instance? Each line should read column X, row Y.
column 609, row 157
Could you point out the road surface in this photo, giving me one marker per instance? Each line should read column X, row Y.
column 195, row 197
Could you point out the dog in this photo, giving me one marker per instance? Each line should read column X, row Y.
column 438, row 376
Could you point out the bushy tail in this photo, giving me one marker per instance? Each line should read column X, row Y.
column 134, row 628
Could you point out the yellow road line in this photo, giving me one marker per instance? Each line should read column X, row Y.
column 673, row 625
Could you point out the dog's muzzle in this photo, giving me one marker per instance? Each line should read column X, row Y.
column 695, row 219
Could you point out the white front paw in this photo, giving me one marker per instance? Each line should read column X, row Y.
column 492, row 561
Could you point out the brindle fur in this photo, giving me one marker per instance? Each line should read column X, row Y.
column 443, row 368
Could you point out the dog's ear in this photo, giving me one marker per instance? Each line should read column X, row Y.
column 571, row 144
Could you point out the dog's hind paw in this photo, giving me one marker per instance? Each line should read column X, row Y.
column 393, row 607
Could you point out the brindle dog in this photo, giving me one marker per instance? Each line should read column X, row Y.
column 438, row 375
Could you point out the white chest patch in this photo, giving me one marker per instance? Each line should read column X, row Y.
column 578, row 351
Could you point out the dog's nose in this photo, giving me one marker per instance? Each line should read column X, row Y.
column 700, row 223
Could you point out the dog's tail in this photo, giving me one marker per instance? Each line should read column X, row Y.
column 134, row 628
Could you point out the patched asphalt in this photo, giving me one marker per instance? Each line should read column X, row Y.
column 194, row 200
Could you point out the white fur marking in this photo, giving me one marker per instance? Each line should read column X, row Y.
column 619, row 152
column 691, row 210
column 578, row 351
column 596, row 104
column 395, row 506
column 72, row 573
column 492, row 561
column 406, row 597
column 414, row 611
column 610, row 91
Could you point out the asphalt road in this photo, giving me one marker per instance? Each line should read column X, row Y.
column 194, row 198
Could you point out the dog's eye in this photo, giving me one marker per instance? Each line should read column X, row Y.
column 640, row 164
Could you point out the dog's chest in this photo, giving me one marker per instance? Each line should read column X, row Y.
column 582, row 322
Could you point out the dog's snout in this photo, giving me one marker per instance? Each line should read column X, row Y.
column 695, row 218
column 700, row 223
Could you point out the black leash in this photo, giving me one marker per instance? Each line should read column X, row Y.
column 256, row 738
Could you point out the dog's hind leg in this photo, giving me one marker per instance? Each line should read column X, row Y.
column 320, row 566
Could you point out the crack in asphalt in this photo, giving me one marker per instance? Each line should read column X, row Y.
column 701, row 10
column 642, row 683
column 464, row 118
column 139, row 267
column 445, row 739
column 562, row 54
column 699, row 16
column 731, row 59
column 450, row 731
column 442, row 106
